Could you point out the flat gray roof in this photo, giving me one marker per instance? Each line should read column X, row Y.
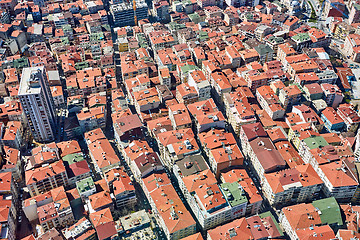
column 29, row 85
column 192, row 164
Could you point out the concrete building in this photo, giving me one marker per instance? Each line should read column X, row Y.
column 333, row 122
column 295, row 185
column 338, row 180
column 45, row 178
column 176, row 221
column 321, row 212
column 265, row 52
column 254, row 199
column 12, row 134
column 351, row 47
column 259, row 150
column 57, row 213
column 207, row 201
column 306, row 115
column 333, row 94
column 76, row 167
column 238, row 110
column 138, row 230
column 86, row 187
column 121, row 187
column 262, row 31
column 123, row 13
column 235, row 195
column 354, row 15
column 270, row 102
column 101, row 152
column 37, row 102
column 104, row 224
column 8, row 206
column 206, row 115
column 82, row 229
column 55, row 202
column 198, row 80
column 160, row 9
column 350, row 116
column 334, row 8
column 290, row 96
column 262, row 226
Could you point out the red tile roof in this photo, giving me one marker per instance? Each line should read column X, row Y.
column 316, row 232
column 103, row 223
column 41, row 173
column 253, row 131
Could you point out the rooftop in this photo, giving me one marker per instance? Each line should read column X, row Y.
column 85, row 185
column 30, row 80
column 315, row 142
column 234, row 193
column 135, row 220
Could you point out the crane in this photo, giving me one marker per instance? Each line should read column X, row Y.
column 134, row 7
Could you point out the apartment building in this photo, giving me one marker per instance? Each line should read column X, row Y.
column 123, row 13
column 47, row 177
column 179, row 116
column 92, row 118
column 101, row 152
column 350, row 116
column 238, row 110
column 206, row 115
column 86, row 187
column 290, row 96
column 224, row 158
column 285, row 50
column 338, row 180
column 175, row 145
column 12, row 163
column 104, row 224
column 37, row 103
column 134, row 84
column 270, row 102
column 77, row 168
column 127, row 127
column 294, row 185
column 259, row 150
column 198, row 80
column 351, row 45
column 254, row 199
column 306, row 78
column 206, row 199
column 121, row 187
column 81, row 229
column 321, row 212
column 215, row 139
column 100, row 201
column 307, row 115
column 333, row 94
column 221, row 86
column 146, row 100
column 49, row 215
column 9, row 206
column 175, row 219
column 52, row 209
column 354, row 15
column 145, row 163
column 333, row 122
column 12, row 134
column 186, row 94
column 262, row 226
